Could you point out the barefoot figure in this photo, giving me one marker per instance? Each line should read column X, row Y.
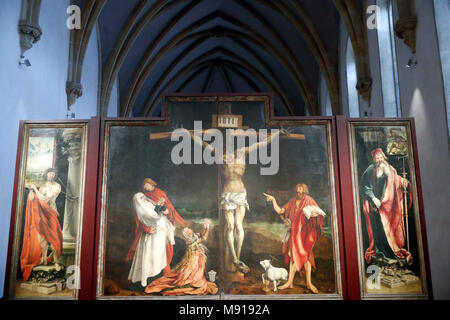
column 304, row 220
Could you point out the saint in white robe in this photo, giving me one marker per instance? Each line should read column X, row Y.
column 150, row 256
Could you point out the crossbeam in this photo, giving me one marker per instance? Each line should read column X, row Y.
column 234, row 133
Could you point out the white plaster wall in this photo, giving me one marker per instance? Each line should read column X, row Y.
column 36, row 93
column 422, row 97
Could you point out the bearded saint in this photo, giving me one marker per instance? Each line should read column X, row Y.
column 304, row 221
column 382, row 194
column 152, row 248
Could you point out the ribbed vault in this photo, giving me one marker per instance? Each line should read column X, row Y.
column 161, row 46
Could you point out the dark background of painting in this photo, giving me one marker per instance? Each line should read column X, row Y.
column 364, row 159
column 194, row 189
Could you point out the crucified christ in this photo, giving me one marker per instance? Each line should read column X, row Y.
column 233, row 201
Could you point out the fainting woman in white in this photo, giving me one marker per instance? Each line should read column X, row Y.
column 150, row 255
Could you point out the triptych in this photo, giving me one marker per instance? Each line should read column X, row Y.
column 218, row 199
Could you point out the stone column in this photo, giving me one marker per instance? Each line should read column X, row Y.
column 406, row 26
column 29, row 30
column 72, row 140
column 74, row 90
column 364, row 87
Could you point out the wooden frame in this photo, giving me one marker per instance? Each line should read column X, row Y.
column 100, row 232
column 271, row 120
column 346, row 223
column 350, row 186
column 85, row 235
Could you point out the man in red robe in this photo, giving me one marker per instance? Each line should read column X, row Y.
column 164, row 206
column 383, row 204
column 305, row 219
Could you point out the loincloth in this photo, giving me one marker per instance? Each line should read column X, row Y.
column 231, row 200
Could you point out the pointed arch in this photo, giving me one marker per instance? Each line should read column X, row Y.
column 358, row 37
column 156, row 95
column 140, row 75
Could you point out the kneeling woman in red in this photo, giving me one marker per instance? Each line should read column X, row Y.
column 188, row 277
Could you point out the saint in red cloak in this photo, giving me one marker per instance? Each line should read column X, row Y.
column 304, row 232
column 384, row 220
column 40, row 220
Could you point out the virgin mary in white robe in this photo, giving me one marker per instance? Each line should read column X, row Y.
column 150, row 255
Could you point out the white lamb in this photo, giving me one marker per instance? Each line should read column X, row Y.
column 273, row 274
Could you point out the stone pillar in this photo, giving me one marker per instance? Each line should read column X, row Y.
column 364, row 87
column 72, row 140
column 29, row 30
column 74, row 90
column 406, row 26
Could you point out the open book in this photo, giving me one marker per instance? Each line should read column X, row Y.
column 308, row 211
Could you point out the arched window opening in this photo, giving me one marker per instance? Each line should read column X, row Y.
column 388, row 59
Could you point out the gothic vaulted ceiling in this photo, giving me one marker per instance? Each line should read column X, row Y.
column 162, row 46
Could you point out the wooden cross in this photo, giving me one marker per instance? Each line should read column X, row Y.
column 234, row 133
